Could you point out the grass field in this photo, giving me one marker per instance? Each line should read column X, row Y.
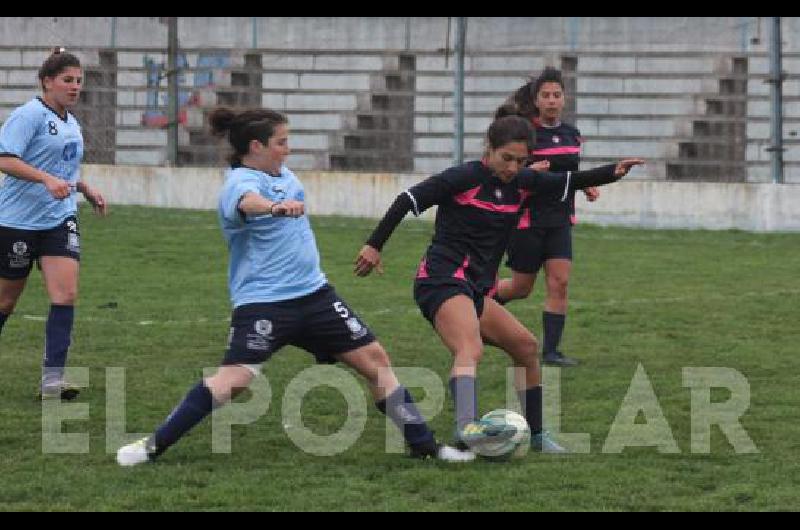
column 154, row 301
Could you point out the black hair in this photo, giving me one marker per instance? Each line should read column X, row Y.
column 508, row 129
column 525, row 96
column 244, row 127
column 58, row 61
column 508, row 108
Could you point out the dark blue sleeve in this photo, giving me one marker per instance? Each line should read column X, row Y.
column 541, row 182
column 437, row 189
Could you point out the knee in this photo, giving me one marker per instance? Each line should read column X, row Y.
column 529, row 350
column 468, row 357
column 521, row 290
column 7, row 306
column 558, row 285
column 228, row 382
column 66, row 297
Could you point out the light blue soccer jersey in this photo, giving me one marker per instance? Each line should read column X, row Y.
column 271, row 258
column 38, row 136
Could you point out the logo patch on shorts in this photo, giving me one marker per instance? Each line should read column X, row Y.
column 263, row 327
column 356, row 328
column 20, row 258
column 20, row 248
column 261, row 339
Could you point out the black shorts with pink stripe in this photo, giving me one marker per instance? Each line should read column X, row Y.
column 440, row 278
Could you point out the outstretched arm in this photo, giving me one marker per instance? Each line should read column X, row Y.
column 541, row 182
column 370, row 255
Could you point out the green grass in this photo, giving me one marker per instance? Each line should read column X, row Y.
column 154, row 301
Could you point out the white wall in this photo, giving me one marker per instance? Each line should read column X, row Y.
column 652, row 204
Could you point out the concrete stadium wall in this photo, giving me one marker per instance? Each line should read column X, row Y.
column 730, row 34
column 745, row 206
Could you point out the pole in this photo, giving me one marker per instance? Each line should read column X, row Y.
column 172, row 90
column 458, row 95
column 776, row 100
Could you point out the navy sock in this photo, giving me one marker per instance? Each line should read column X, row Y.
column 531, row 400
column 465, row 395
column 3, row 318
column 57, row 340
column 197, row 404
column 553, row 325
column 400, row 407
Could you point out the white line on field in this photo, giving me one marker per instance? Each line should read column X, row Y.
column 410, row 309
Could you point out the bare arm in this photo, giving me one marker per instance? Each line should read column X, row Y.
column 11, row 165
column 255, row 204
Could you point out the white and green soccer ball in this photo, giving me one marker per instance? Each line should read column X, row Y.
column 515, row 447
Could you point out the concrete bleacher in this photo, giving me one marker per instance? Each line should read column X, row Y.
column 693, row 115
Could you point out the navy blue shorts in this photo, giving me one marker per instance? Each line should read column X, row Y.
column 19, row 249
column 320, row 323
column 431, row 293
column 531, row 247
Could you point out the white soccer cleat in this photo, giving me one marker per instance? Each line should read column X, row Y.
column 134, row 453
column 447, row 453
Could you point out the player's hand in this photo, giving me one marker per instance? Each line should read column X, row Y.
column 592, row 194
column 288, row 209
column 95, row 198
column 541, row 165
column 57, row 187
column 369, row 258
column 625, row 165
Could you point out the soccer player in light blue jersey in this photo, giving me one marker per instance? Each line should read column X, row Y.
column 280, row 295
column 41, row 148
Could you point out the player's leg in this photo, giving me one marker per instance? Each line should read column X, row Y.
column 17, row 252
column 500, row 328
column 60, row 263
column 198, row 403
column 10, row 292
column 558, row 267
column 257, row 332
column 525, row 258
column 456, row 320
column 394, row 400
column 61, row 282
column 332, row 330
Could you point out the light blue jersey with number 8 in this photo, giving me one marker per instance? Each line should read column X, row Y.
column 38, row 136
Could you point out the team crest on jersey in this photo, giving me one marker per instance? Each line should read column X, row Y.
column 556, row 140
column 70, row 152
column 498, row 193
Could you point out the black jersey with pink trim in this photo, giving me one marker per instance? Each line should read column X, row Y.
column 561, row 146
column 477, row 213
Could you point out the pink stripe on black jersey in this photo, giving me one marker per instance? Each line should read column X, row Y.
column 561, row 146
column 551, row 151
column 468, row 198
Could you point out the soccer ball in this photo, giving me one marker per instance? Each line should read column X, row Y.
column 515, row 447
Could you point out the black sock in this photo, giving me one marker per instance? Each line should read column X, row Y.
column 400, row 407
column 57, row 341
column 531, row 401
column 3, row 318
column 197, row 404
column 553, row 325
column 465, row 395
